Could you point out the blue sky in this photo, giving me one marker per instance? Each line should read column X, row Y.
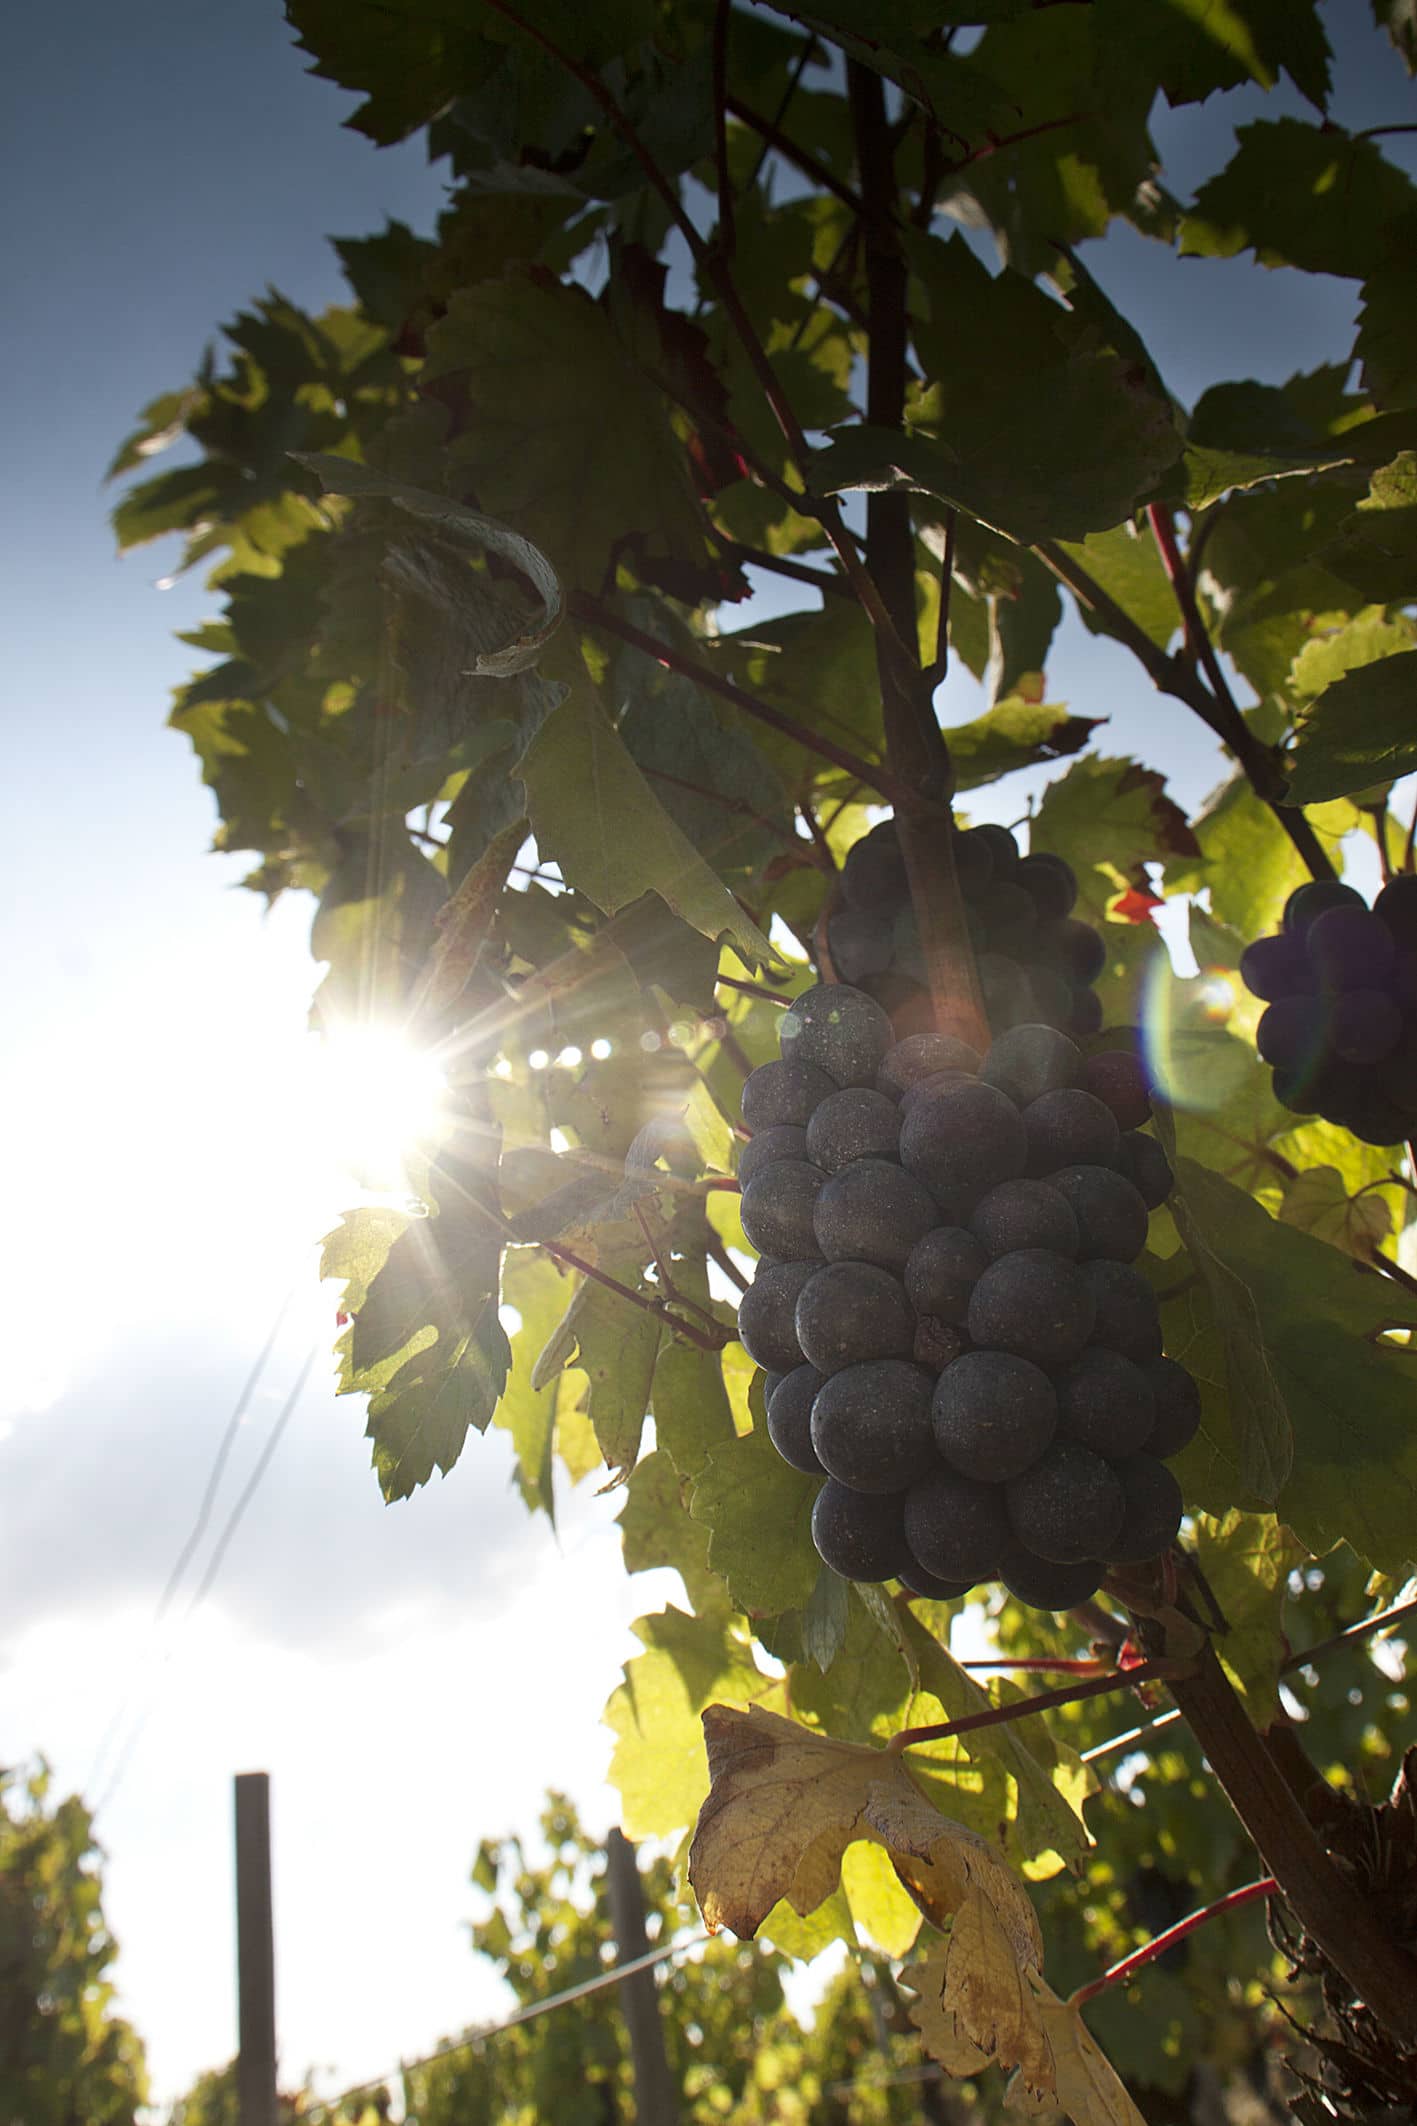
column 414, row 1678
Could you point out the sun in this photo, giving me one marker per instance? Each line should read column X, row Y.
column 380, row 1102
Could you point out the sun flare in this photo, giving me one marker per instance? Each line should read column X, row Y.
column 380, row 1100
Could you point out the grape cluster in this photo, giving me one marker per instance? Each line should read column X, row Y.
column 1340, row 980
column 1036, row 961
column 953, row 1333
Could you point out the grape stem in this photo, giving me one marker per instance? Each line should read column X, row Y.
column 752, row 989
column 1160, row 1670
column 1119, row 1973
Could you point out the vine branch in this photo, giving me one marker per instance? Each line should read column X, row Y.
column 1155, row 1671
column 1119, row 1973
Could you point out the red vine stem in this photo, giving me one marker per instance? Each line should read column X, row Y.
column 1158, row 1671
column 1119, row 1973
column 591, row 610
column 752, row 989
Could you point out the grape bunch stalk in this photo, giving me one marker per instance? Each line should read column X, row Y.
column 946, row 1306
column 1036, row 960
column 1340, row 980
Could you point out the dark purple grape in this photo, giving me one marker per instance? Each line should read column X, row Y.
column 1105, row 1402
column 1087, row 1014
column 1024, row 1214
column 1350, row 949
column 858, row 1534
column 1044, row 1584
column 924, row 1055
column 1375, row 1119
column 1003, row 849
column 873, row 876
column 1153, row 1511
column 942, row 1271
column 1396, row 1077
column 1075, row 947
column 850, row 1312
column 907, row 1002
column 907, row 952
column 994, row 1414
column 781, row 1093
column 1142, row 1161
column 974, row 861
column 1117, row 1077
column 1034, row 1304
column 1111, row 1215
column 1028, row 1061
column 1068, row 1506
column 790, row 1418
column 871, row 1425
column 1396, row 906
column 1277, row 967
column 1069, row 1128
column 839, row 1030
column 856, row 1124
column 954, row 1527
column 919, row 1582
column 783, row 1141
column 777, row 1206
column 861, row 943
column 872, row 1211
column 1051, row 883
column 937, row 1344
column 1308, row 902
column 1178, row 1407
column 1004, row 988
column 767, row 1312
column 1292, row 1032
column 771, row 1383
column 1128, row 1318
column 1366, row 1025
column 940, row 1081
column 1009, row 916
column 1050, row 997
column 962, row 1142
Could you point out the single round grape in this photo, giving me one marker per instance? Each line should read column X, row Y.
column 771, row 1382
column 1004, row 988
column 777, row 1206
column 994, row 1414
column 1009, row 916
column 939, row 1081
column 942, row 1271
column 1044, row 1584
column 1117, row 1077
column 1003, row 849
column 784, row 1140
column 850, row 1312
column 1075, row 947
column 790, row 1418
column 919, row 1582
column 1396, row 906
column 1291, row 1034
column 1142, row 1161
column 1111, row 1215
column 859, row 1534
column 1050, row 997
column 962, row 1142
column 1374, row 1119
column 974, row 862
column 871, row 1425
column 1024, row 1214
column 1068, row 1506
column 1086, row 1014
column 1366, row 1025
column 1178, row 1407
column 954, row 1527
column 1308, row 902
column 872, row 1211
column 1396, row 1076
column 873, row 876
column 861, row 943
column 1069, row 1128
column 1106, row 1402
column 937, row 1344
column 1294, row 1089
column 767, row 1314
column 1349, row 948
column 1153, row 1511
column 840, row 1030
column 1050, row 882
column 924, row 1055
column 1034, row 1304
column 1128, row 1317
column 778, row 1092
column 1028, row 1061
column 856, row 1124
column 1277, row 967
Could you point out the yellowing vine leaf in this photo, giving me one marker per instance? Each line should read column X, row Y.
column 1084, row 2082
column 784, row 1804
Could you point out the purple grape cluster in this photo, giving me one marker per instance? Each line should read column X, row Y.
column 1036, row 961
column 1340, row 980
column 946, row 1308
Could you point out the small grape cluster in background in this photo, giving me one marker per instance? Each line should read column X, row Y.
column 1036, row 961
column 1340, row 980
column 945, row 1304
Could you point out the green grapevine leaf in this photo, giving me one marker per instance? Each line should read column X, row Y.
column 656, row 1529
column 534, row 1285
column 758, row 1511
column 1300, row 195
column 1106, row 816
column 1318, row 1202
column 1247, row 1559
column 658, row 1763
column 1376, row 548
column 1359, row 731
